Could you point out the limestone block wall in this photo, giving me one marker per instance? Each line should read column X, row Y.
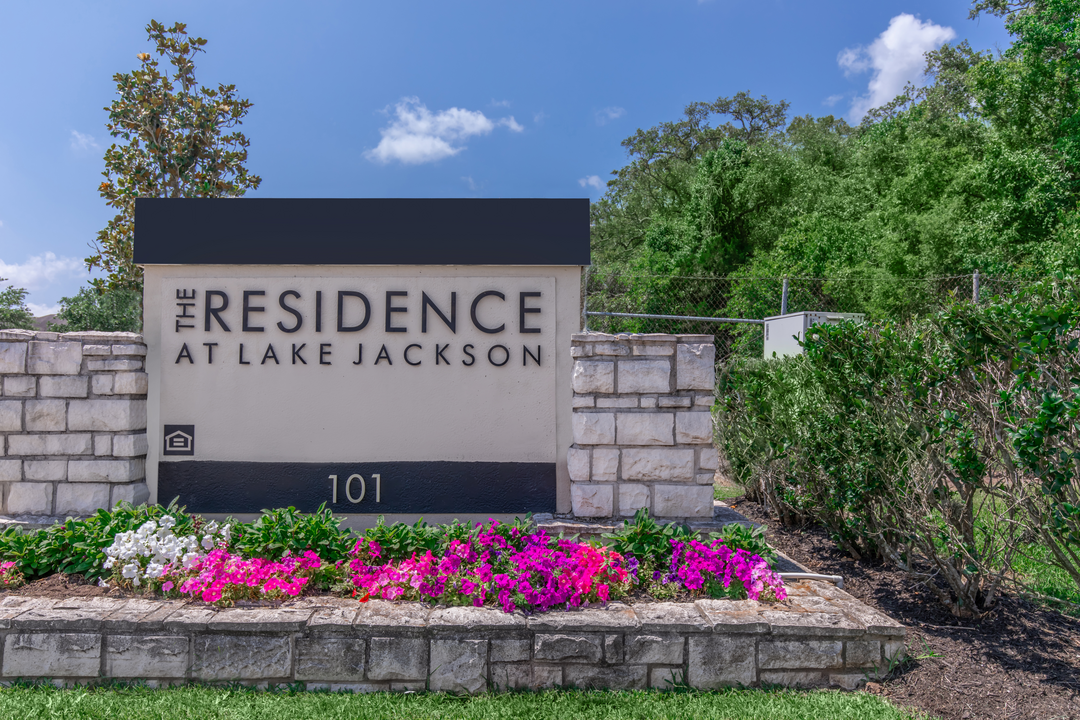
column 72, row 421
column 643, row 432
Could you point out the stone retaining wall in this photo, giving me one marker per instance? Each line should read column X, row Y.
column 820, row 636
column 643, row 432
column 72, row 421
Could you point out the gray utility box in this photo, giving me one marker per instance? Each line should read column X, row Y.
column 783, row 333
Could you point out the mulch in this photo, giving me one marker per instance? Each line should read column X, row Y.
column 1022, row 661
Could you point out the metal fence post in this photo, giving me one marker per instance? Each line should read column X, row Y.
column 975, row 288
column 783, row 299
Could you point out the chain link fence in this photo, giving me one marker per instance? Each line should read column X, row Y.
column 690, row 303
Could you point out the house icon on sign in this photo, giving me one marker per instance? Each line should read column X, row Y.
column 179, row 440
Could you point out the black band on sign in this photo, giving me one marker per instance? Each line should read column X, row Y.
column 401, row 487
column 422, row 231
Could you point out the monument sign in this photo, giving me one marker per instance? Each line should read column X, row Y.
column 382, row 356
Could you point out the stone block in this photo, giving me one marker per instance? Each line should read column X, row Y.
column 665, row 349
column 862, row 653
column 659, row 649
column 135, row 493
column 129, row 349
column 592, row 376
column 330, row 659
column 66, row 444
column 794, row 678
column 107, row 415
column 20, row 386
column 102, row 384
column 734, row 616
column 828, row 624
column 29, row 498
column 605, row 465
column 567, row 648
column 848, row 681
column 676, row 501
column 614, row 617
column 632, row 497
column 666, row 678
column 114, row 365
column 379, row 616
column 721, row 660
column 644, row 429
column 103, row 445
column 644, row 376
column 336, row 620
column 510, row 649
column 140, row 616
column 52, row 655
column 189, row 619
column 61, row 386
column 584, row 401
column 594, row 428
column 47, row 415
column 453, row 620
column 398, row 658
column 657, row 464
column 675, row 401
column 693, row 428
column 894, row 650
column 617, row 349
column 577, row 464
column 581, row 351
column 81, row 498
column 54, row 358
column 458, row 666
column 88, row 350
column 800, row 654
column 695, row 366
column 147, row 656
column 45, row 470
column 236, row 657
column 648, row 402
column 625, row 677
column 12, row 358
column 260, row 620
column 130, row 383
column 875, row 622
column 704, row 401
column 592, row 500
column 129, row 445
column 506, row 676
column 108, row 471
column 10, row 470
column 617, row 402
column 613, row 649
column 11, row 415
column 667, row 617
column 708, row 459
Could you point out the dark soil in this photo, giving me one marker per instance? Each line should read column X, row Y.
column 1022, row 661
column 62, row 586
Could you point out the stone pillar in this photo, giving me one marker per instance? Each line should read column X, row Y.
column 643, row 432
column 72, row 421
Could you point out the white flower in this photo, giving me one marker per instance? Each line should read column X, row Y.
column 212, row 528
column 102, row 583
column 167, row 522
column 207, row 542
column 130, row 570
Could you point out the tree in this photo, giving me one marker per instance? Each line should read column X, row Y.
column 13, row 310
column 119, row 310
column 177, row 139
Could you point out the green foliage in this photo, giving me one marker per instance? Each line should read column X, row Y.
column 399, row 541
column 118, row 310
column 287, row 531
column 174, row 141
column 78, row 546
column 648, row 540
column 13, row 311
column 751, row 539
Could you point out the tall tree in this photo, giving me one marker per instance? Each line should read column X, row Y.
column 13, row 310
column 176, row 139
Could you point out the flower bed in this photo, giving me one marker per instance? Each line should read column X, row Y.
column 513, row 566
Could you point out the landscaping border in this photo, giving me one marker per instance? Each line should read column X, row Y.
column 819, row 636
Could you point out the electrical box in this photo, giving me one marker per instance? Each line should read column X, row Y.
column 783, row 333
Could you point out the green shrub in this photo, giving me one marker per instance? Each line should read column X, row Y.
column 289, row 531
column 118, row 310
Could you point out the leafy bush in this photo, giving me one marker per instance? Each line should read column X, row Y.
column 287, row 531
column 648, row 540
column 117, row 310
column 940, row 445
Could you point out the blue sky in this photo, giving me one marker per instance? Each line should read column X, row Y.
column 426, row 99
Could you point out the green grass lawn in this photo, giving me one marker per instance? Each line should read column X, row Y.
column 726, row 492
column 201, row 702
column 1047, row 579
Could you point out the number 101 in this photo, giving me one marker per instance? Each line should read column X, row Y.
column 377, row 479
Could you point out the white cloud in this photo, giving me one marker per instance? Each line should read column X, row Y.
column 895, row 57
column 603, row 117
column 82, row 141
column 38, row 310
column 41, row 271
column 832, row 100
column 592, row 181
column 467, row 179
column 416, row 135
column 500, row 103
column 539, row 117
